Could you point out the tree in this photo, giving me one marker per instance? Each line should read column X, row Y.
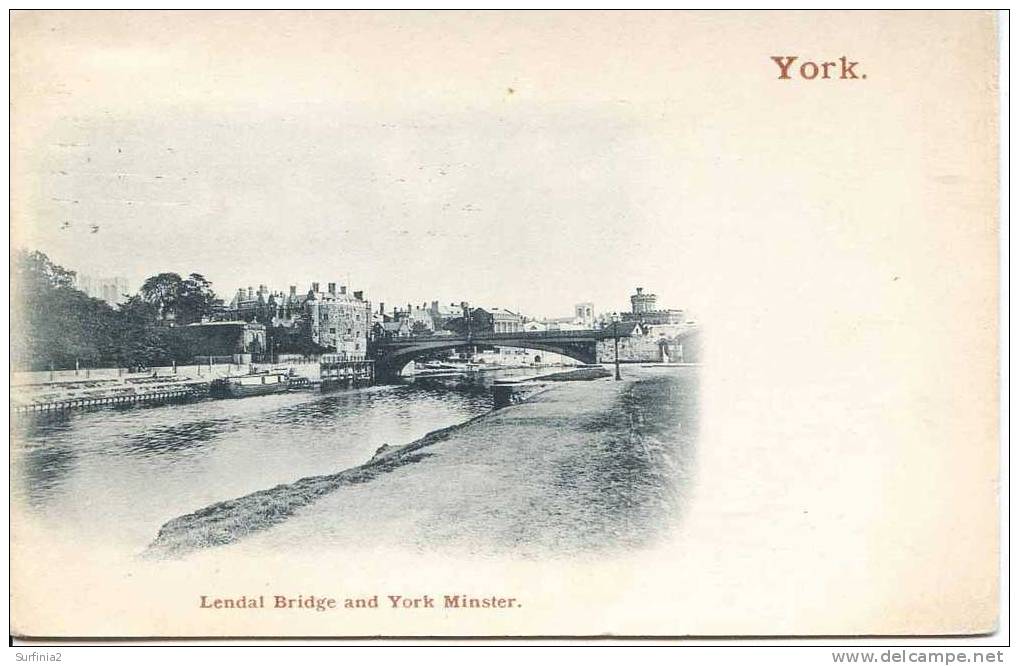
column 182, row 300
column 162, row 291
column 34, row 270
column 54, row 324
column 195, row 299
column 137, row 341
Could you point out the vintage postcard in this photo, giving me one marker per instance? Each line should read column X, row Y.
column 504, row 324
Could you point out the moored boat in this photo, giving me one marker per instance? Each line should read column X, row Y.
column 242, row 386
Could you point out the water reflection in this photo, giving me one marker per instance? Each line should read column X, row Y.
column 116, row 475
column 38, row 426
column 176, row 438
column 45, row 470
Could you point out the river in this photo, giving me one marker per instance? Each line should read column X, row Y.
column 113, row 476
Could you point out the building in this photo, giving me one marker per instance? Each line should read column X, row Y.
column 113, row 290
column 423, row 319
column 334, row 319
column 269, row 308
column 339, row 321
column 584, row 318
column 646, row 343
column 644, row 308
column 485, row 320
column 248, row 304
column 584, row 314
column 641, row 302
column 443, row 313
column 648, row 333
column 565, row 324
column 505, row 321
column 645, row 347
column 387, row 330
column 420, row 317
column 238, row 340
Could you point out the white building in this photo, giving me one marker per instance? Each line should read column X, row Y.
column 584, row 314
column 113, row 290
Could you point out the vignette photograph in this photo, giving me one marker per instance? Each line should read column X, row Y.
column 508, row 326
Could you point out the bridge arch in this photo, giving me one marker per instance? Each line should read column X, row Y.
column 391, row 360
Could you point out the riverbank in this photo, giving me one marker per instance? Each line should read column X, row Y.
column 580, row 466
column 102, row 387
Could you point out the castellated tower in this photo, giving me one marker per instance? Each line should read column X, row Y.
column 642, row 303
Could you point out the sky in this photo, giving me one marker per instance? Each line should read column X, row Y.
column 527, row 160
column 412, row 170
column 837, row 240
column 511, row 211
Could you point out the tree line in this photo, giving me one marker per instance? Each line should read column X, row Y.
column 55, row 325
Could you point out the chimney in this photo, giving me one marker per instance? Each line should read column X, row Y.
column 251, row 294
column 293, row 290
column 359, row 295
column 314, row 287
column 332, row 287
column 382, row 308
column 343, row 289
column 640, row 290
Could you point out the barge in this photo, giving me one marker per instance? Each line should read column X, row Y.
column 242, row 386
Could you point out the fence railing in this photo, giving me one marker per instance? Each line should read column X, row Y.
column 341, row 357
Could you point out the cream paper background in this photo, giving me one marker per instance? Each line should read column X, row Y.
column 841, row 241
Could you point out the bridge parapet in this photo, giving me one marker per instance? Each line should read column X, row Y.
column 583, row 334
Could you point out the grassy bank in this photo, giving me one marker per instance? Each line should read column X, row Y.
column 226, row 522
column 577, row 375
column 581, row 465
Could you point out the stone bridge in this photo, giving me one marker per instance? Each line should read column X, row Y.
column 391, row 355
